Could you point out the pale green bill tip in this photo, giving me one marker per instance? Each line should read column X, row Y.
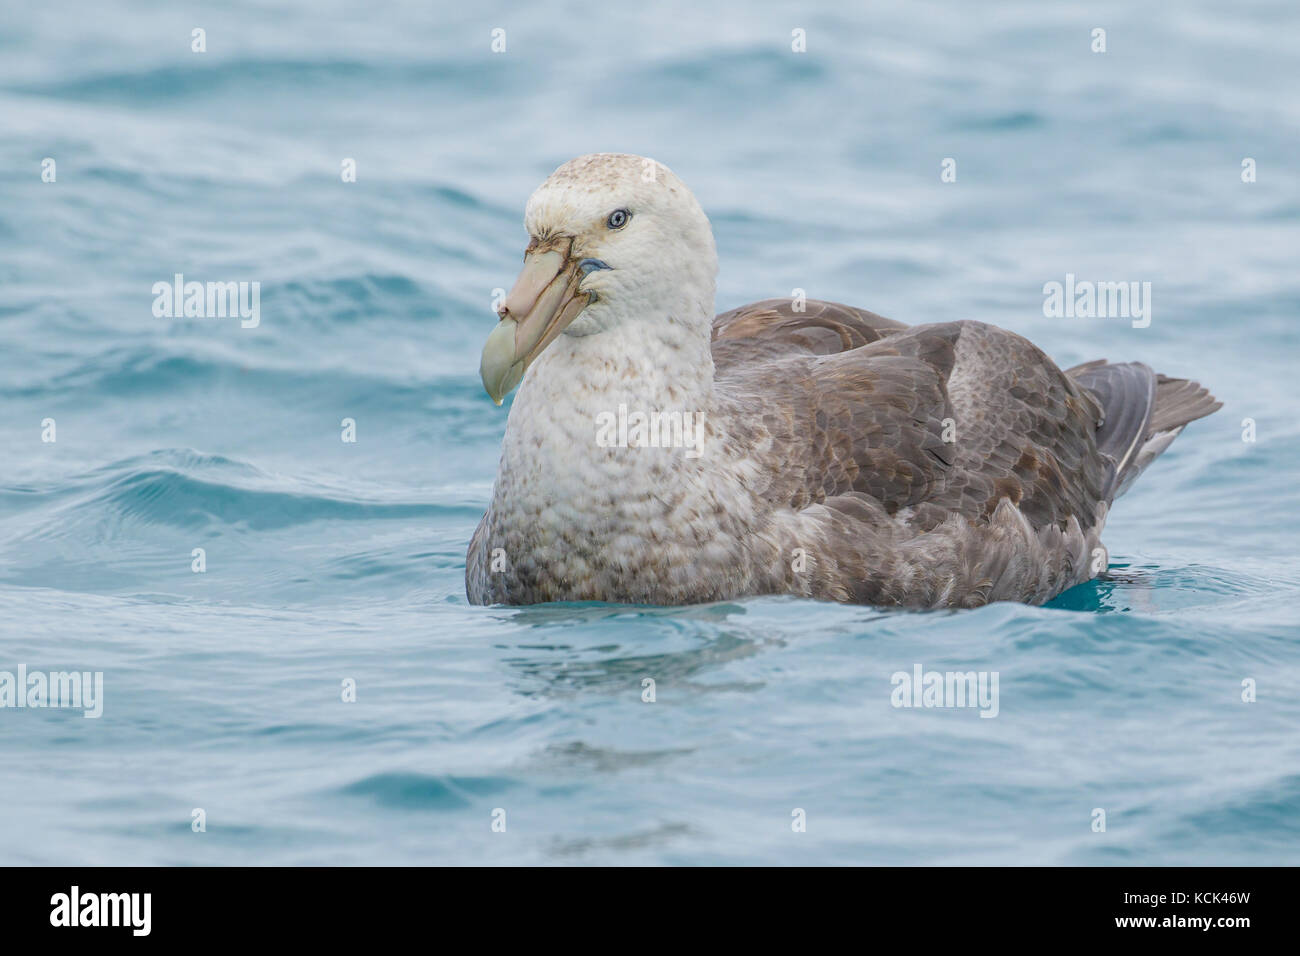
column 500, row 367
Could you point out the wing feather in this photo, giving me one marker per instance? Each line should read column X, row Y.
column 942, row 419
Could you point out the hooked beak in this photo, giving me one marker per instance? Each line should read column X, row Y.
column 544, row 300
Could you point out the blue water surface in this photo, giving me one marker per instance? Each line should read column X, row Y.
column 329, row 561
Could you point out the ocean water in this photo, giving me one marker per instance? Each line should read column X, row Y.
column 329, row 562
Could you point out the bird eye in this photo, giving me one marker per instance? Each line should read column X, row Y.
column 618, row 219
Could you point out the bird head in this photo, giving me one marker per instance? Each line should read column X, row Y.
column 613, row 238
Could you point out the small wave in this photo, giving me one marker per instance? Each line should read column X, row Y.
column 1267, row 810
column 351, row 299
column 251, row 77
column 182, row 500
column 183, row 488
column 416, row 791
column 333, row 368
column 1004, row 122
column 755, row 70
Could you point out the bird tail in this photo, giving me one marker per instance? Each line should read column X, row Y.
column 1143, row 412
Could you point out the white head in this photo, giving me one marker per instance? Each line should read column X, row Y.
column 614, row 239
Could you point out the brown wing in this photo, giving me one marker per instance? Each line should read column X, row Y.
column 1024, row 431
column 849, row 403
column 774, row 328
column 940, row 418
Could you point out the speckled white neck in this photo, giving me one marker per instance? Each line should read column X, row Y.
column 647, row 363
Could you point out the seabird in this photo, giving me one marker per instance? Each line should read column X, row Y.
column 656, row 454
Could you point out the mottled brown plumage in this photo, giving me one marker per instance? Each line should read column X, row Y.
column 844, row 456
column 935, row 465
